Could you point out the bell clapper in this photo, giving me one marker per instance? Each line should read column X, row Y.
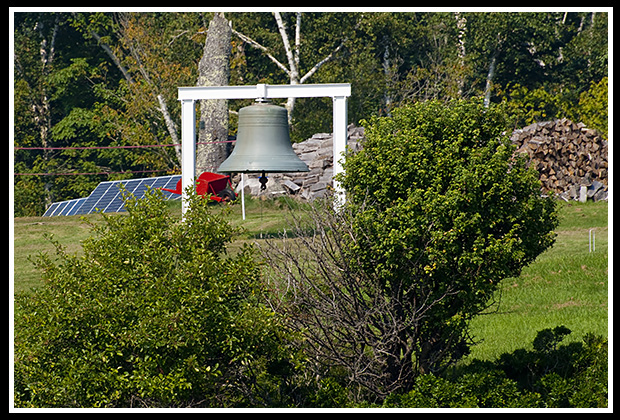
column 263, row 181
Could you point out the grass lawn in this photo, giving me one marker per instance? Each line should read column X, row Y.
column 567, row 285
column 29, row 239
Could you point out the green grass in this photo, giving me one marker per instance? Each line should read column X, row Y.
column 567, row 285
column 29, row 240
column 263, row 218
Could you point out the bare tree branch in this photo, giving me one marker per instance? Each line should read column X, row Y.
column 349, row 318
column 322, row 62
column 264, row 49
column 292, row 55
column 106, row 48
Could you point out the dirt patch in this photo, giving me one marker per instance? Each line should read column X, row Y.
column 570, row 302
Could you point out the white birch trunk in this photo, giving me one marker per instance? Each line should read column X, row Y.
column 461, row 24
column 487, row 89
column 41, row 108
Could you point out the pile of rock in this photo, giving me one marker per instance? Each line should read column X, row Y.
column 317, row 153
column 570, row 158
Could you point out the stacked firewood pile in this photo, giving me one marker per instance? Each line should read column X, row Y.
column 570, row 158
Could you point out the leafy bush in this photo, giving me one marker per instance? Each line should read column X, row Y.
column 535, row 105
column 589, row 107
column 487, row 388
column 443, row 212
column 154, row 313
column 573, row 375
column 593, row 106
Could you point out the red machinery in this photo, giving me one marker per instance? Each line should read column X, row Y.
column 217, row 185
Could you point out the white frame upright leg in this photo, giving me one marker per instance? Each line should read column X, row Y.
column 339, row 145
column 243, row 195
column 188, row 150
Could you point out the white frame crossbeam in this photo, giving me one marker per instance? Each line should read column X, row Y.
column 188, row 96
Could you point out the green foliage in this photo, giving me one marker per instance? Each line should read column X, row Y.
column 329, row 393
column 528, row 106
column 154, row 313
column 487, row 388
column 573, row 375
column 442, row 212
column 535, row 105
column 593, row 106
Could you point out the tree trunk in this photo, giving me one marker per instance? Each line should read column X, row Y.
column 487, row 89
column 42, row 106
column 214, row 70
column 461, row 24
column 387, row 73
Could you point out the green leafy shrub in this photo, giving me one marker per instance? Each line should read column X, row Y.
column 589, row 107
column 485, row 389
column 535, row 105
column 593, row 106
column 443, row 211
column 570, row 375
column 551, row 375
column 155, row 313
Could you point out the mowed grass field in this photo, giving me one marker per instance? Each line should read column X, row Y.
column 567, row 285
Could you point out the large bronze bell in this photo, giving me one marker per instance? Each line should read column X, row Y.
column 263, row 143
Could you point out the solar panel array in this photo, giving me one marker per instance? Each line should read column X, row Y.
column 107, row 197
column 64, row 208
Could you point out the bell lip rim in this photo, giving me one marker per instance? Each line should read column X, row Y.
column 258, row 171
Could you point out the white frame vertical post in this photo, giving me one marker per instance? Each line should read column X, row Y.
column 340, row 135
column 188, row 150
column 189, row 95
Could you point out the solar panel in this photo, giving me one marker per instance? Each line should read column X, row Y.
column 108, row 198
column 64, row 208
column 72, row 208
column 51, row 210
